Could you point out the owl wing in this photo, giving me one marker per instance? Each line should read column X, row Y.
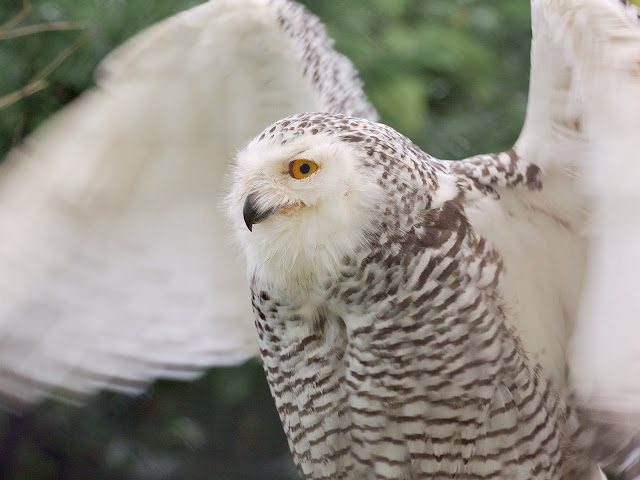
column 605, row 353
column 567, row 222
column 117, row 265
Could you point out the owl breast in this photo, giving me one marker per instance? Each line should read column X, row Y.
column 408, row 371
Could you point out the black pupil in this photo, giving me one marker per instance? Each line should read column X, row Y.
column 305, row 168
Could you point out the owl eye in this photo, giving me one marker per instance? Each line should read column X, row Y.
column 302, row 168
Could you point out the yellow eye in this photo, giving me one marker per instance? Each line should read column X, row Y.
column 302, row 168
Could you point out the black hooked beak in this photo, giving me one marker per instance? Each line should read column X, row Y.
column 252, row 214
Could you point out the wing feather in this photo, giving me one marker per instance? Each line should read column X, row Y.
column 580, row 229
column 605, row 361
column 569, row 235
column 117, row 264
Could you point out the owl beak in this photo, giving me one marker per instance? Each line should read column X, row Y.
column 253, row 213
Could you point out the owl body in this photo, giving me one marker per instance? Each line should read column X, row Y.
column 396, row 361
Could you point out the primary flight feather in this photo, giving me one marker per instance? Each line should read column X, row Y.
column 115, row 250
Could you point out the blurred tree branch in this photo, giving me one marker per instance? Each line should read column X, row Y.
column 24, row 11
column 38, row 81
column 38, row 28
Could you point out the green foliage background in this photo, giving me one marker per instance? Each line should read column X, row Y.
column 450, row 74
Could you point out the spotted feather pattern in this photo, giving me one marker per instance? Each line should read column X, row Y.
column 332, row 76
column 489, row 171
column 400, row 365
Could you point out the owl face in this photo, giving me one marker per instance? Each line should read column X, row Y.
column 301, row 203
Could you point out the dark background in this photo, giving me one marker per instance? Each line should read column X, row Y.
column 450, row 74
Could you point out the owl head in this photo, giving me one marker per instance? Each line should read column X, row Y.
column 315, row 187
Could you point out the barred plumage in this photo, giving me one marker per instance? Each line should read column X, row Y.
column 397, row 362
column 393, row 345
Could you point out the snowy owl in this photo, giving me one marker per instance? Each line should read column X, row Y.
column 416, row 318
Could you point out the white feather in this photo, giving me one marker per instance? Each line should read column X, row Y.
column 115, row 258
column 582, row 229
column 606, row 349
column 539, row 233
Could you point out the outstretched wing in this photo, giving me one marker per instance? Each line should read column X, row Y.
column 566, row 221
column 115, row 258
column 569, row 229
column 605, row 361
